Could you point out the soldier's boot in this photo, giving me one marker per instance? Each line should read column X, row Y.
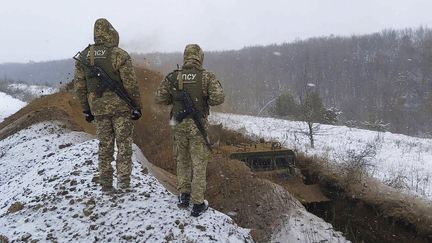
column 107, row 188
column 184, row 200
column 124, row 186
column 199, row 209
column 106, row 184
column 95, row 179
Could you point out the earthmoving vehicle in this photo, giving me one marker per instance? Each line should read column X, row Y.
column 269, row 160
column 263, row 156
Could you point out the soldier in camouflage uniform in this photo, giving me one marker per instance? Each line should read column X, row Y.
column 190, row 149
column 113, row 118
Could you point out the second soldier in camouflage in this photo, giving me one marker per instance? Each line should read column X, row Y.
column 191, row 152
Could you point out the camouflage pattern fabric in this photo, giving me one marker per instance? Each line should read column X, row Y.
column 109, row 103
column 189, row 147
column 112, row 115
column 116, row 128
column 193, row 56
column 192, row 157
column 104, row 33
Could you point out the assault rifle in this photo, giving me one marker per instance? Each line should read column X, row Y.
column 107, row 83
column 189, row 109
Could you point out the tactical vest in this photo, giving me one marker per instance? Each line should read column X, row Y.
column 191, row 81
column 102, row 59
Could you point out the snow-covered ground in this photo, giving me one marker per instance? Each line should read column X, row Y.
column 35, row 90
column 9, row 105
column 401, row 161
column 49, row 170
column 301, row 226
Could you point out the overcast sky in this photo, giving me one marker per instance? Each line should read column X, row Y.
column 56, row 29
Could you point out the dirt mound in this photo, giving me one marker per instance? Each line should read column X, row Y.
column 253, row 202
column 60, row 106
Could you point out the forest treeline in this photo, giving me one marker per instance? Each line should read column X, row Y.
column 381, row 78
column 51, row 73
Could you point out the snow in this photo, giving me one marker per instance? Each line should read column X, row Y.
column 49, row 170
column 298, row 225
column 9, row 105
column 302, row 226
column 35, row 90
column 43, row 140
column 400, row 160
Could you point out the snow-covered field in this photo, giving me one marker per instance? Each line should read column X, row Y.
column 49, row 170
column 35, row 90
column 9, row 105
column 401, row 161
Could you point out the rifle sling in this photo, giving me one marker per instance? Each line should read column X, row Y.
column 92, row 55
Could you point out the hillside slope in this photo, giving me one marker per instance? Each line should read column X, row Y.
column 49, row 194
column 272, row 205
column 9, row 105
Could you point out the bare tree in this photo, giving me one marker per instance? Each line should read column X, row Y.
column 311, row 111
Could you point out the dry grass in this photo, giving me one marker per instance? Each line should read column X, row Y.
column 415, row 213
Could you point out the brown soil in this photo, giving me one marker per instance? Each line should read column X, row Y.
column 15, row 207
column 61, row 106
column 295, row 185
column 3, row 239
column 253, row 200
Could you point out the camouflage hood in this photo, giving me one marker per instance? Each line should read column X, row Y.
column 193, row 56
column 104, row 33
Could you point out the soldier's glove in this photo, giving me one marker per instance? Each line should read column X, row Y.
column 88, row 116
column 136, row 114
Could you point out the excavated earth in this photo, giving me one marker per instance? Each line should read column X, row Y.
column 249, row 198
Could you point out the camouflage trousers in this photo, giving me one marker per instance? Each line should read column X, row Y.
column 192, row 156
column 118, row 128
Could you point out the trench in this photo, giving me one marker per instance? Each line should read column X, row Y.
column 358, row 221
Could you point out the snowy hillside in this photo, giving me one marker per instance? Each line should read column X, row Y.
column 397, row 160
column 48, row 194
column 35, row 90
column 9, row 105
column 26, row 92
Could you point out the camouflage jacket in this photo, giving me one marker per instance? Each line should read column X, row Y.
column 109, row 103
